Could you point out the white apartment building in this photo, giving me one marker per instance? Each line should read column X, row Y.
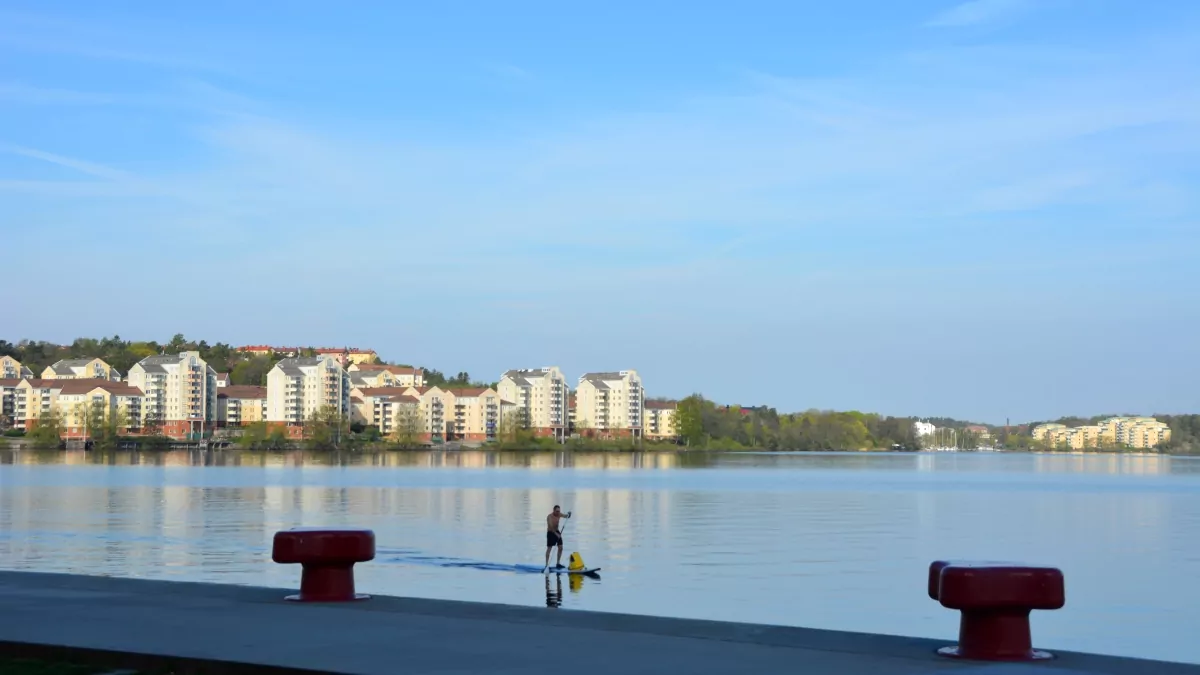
column 299, row 387
column 180, row 392
column 609, row 404
column 540, row 399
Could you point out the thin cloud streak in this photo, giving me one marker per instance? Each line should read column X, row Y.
column 976, row 12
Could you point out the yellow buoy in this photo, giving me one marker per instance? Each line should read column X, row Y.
column 576, row 562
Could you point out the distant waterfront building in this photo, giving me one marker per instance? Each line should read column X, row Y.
column 540, row 399
column 180, row 393
column 924, row 428
column 78, row 369
column 299, row 387
column 659, row 420
column 11, row 369
column 609, row 404
column 1129, row 432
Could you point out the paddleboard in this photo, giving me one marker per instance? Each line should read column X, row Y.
column 586, row 570
column 564, row 570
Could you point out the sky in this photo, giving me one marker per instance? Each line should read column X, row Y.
column 985, row 210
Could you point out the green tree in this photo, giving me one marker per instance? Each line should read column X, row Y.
column 47, row 430
column 253, row 371
column 326, row 429
column 689, row 420
column 406, row 432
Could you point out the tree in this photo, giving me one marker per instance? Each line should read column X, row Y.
column 102, row 425
column 47, row 430
column 253, row 371
column 407, row 428
column 327, row 428
column 689, row 420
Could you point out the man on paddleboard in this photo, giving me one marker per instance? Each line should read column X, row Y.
column 554, row 534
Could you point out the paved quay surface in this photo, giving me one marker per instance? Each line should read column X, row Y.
column 397, row 636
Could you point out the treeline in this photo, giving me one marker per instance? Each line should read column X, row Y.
column 122, row 354
column 1185, row 433
column 704, row 424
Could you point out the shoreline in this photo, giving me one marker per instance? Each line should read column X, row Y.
column 18, row 444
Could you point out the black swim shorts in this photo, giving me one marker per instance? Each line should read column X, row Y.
column 553, row 539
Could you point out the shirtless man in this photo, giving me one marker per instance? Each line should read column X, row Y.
column 554, row 534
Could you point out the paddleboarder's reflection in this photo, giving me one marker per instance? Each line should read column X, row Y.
column 554, row 595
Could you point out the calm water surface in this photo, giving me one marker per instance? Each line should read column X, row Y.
column 837, row 541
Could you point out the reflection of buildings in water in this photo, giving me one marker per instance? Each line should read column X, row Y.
column 926, row 463
column 1104, row 463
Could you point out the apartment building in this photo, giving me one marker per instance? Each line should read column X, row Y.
column 77, row 369
column 475, row 414
column 388, row 376
column 1134, row 432
column 609, row 404
column 297, row 388
column 33, row 397
column 180, row 394
column 77, row 396
column 241, row 405
column 11, row 369
column 394, row 411
column 1114, row 432
column 540, row 399
column 659, row 422
column 8, row 390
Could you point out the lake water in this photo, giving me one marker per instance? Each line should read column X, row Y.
column 839, row 541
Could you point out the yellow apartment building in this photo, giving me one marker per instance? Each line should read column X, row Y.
column 76, row 369
column 32, row 397
column 475, row 415
column 241, row 405
column 396, row 376
column 609, row 404
column 180, row 393
column 659, row 420
column 11, row 369
column 299, row 387
column 1115, row 432
column 77, row 396
column 540, row 398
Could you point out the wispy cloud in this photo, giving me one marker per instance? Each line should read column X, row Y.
column 507, row 70
column 16, row 92
column 90, row 168
column 976, row 12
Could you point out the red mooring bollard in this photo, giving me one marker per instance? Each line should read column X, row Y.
column 995, row 599
column 327, row 558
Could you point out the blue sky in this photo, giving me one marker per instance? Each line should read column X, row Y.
column 982, row 210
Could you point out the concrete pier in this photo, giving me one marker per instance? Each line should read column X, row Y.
column 396, row 636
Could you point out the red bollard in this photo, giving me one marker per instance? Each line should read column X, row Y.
column 995, row 600
column 327, row 558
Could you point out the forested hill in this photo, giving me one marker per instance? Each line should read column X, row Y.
column 122, row 354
